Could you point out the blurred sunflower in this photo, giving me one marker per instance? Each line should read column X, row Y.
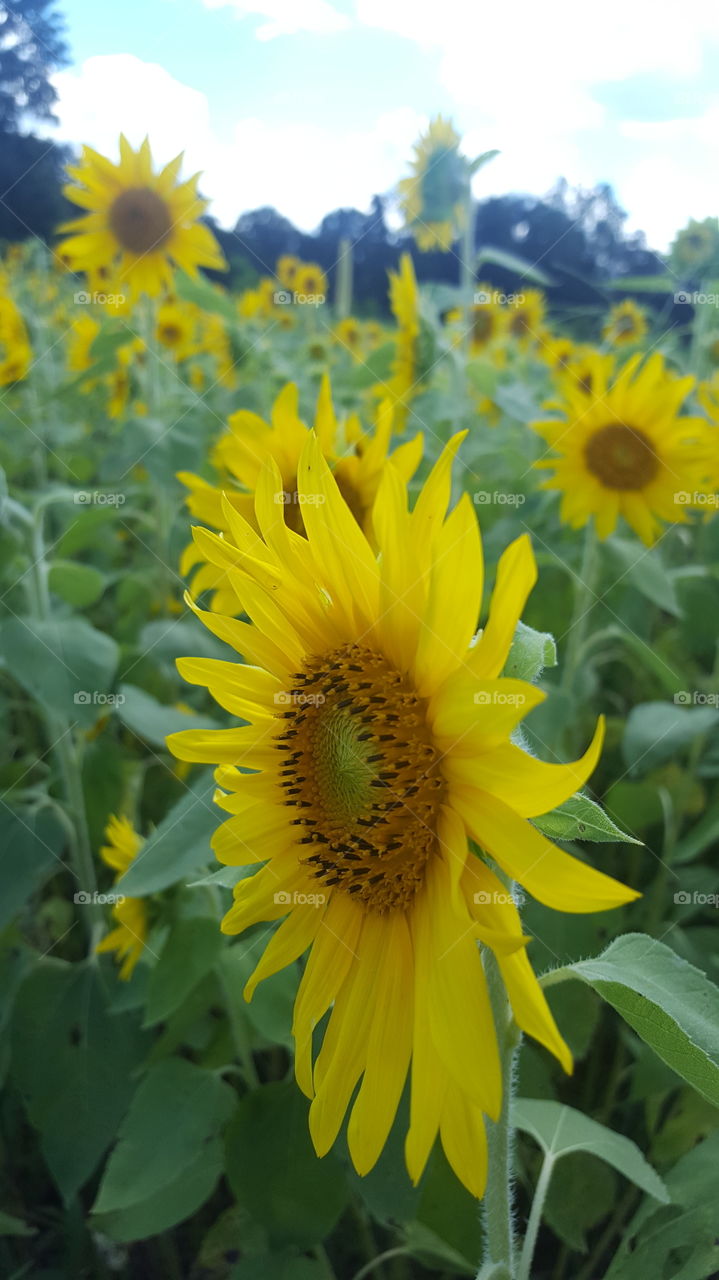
column 488, row 320
column 626, row 324
column 432, row 198
column 696, row 247
column 311, row 280
column 525, row 317
column 128, row 938
column 379, row 733
column 356, row 457
column 15, row 349
column 348, row 334
column 622, row 449
column 175, row 325
column 404, row 304
column 83, row 332
column 139, row 224
column 286, row 270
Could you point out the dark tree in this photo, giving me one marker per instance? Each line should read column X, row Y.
column 31, row 47
column 31, row 178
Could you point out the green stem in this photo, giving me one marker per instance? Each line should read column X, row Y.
column 584, row 594
column 343, row 287
column 399, row 1252
column 535, row 1218
column 66, row 752
column 499, row 1231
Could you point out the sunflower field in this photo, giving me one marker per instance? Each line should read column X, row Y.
column 359, row 792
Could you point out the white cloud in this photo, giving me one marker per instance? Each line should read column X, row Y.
column 286, row 17
column 304, row 171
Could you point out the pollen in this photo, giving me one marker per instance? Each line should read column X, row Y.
column 363, row 776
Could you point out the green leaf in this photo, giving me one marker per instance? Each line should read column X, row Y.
column 153, row 721
column 560, row 1130
column 166, row 640
column 580, row 818
column 180, row 1197
column 513, row 262
column 530, row 652
column 670, row 1004
column 78, row 584
column 581, row 1194
column 643, row 284
column 643, row 570
column 447, row 1217
column 10, row 1226
column 32, row 847
column 274, row 1172
column 190, row 951
column 656, row 731
column 480, row 161
column 677, row 1240
column 72, row 1062
column 177, row 1112
column 65, row 664
column 701, row 837
column 270, row 1010
column 179, row 846
column 206, row 296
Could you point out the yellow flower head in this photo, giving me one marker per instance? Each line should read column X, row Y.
column 432, row 198
column 348, row 334
column 129, row 937
column 357, row 460
column 525, row 317
column 15, row 349
column 175, row 328
column 139, row 224
column 311, row 280
column 488, row 320
column 286, row 270
column 626, row 324
column 83, row 333
column 696, row 247
column 621, row 448
column 379, row 732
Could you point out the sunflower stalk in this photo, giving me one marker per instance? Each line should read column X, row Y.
column 60, row 733
column 584, row 594
column 498, row 1197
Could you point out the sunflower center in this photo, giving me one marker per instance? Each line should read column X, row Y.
column 140, row 220
column 361, row 768
column 621, row 457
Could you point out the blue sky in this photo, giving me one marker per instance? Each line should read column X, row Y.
column 314, row 104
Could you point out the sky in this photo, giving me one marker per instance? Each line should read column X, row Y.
column 313, row 105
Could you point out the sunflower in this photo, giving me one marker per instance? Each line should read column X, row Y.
column 15, row 349
column 379, row 736
column 129, row 936
column 83, row 333
column 286, row 270
column 311, row 281
column 626, row 324
column 348, row 334
column 356, row 457
column 557, row 351
column 406, row 366
column 696, row 247
column 525, row 317
column 488, row 320
column 139, row 223
column 432, row 199
column 175, row 326
column 622, row 449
